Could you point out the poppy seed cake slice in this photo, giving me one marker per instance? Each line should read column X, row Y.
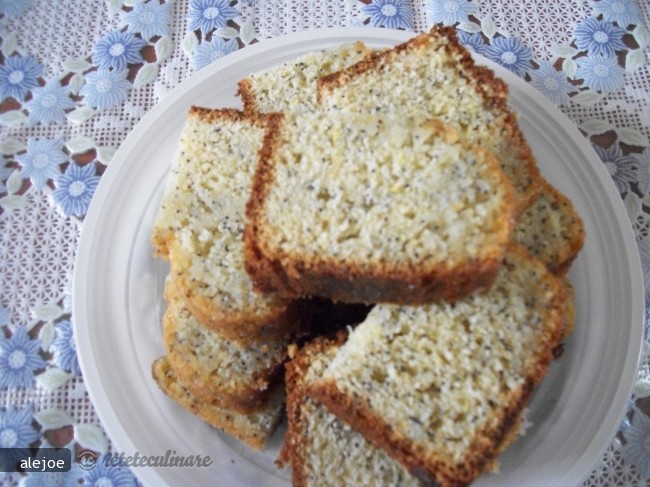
column 374, row 208
column 200, row 226
column 434, row 76
column 217, row 370
column 322, row 450
column 551, row 230
column 292, row 86
column 569, row 308
column 440, row 386
column 254, row 429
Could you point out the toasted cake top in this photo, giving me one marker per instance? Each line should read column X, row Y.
column 292, row 86
column 433, row 76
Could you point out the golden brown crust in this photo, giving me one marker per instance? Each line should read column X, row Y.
column 216, row 416
column 569, row 321
column 569, row 308
column 577, row 229
column 212, row 115
column 245, row 400
column 294, row 275
column 526, row 178
column 244, row 395
column 280, row 320
column 253, row 98
column 295, row 444
column 493, row 89
column 558, row 254
column 434, row 467
column 247, row 94
column 209, row 116
column 488, row 444
column 281, row 317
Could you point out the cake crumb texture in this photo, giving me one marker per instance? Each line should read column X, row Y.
column 440, row 386
column 200, row 225
column 433, row 76
column 375, row 208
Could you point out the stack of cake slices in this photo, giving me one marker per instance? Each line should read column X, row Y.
column 225, row 343
column 373, row 229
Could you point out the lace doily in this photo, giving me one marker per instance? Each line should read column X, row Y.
column 76, row 76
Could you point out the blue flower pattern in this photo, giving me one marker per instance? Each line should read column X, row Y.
column 102, row 475
column 208, row 52
column 49, row 103
column 106, row 88
column 16, row 429
column 643, row 171
column 473, row 42
column 42, row 160
column 19, row 360
column 621, row 168
column 392, row 14
column 623, row 12
column 601, row 72
column 510, row 53
column 598, row 37
column 70, row 478
column 207, row 15
column 552, row 83
column 13, row 8
column 637, row 438
column 149, row 19
column 18, row 75
column 117, row 49
column 65, row 349
column 449, row 12
column 75, row 188
column 5, row 314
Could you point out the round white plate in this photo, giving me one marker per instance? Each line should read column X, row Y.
column 117, row 298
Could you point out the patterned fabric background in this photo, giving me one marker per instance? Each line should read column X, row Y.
column 77, row 75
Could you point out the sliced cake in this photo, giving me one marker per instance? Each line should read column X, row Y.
column 375, row 208
column 217, row 370
column 200, row 226
column 253, row 429
column 433, row 76
column 322, row 450
column 569, row 309
column 440, row 387
column 551, row 230
column 292, row 86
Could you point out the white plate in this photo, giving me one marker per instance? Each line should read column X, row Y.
column 117, row 293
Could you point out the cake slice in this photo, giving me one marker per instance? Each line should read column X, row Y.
column 433, row 76
column 569, row 321
column 216, row 370
column 200, row 225
column 551, row 230
column 292, row 86
column 253, row 429
column 374, row 208
column 322, row 450
column 440, row 387
column 569, row 308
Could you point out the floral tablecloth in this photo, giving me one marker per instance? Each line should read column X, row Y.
column 77, row 75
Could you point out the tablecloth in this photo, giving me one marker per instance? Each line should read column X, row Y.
column 77, row 75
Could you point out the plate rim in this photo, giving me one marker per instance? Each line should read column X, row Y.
column 333, row 35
